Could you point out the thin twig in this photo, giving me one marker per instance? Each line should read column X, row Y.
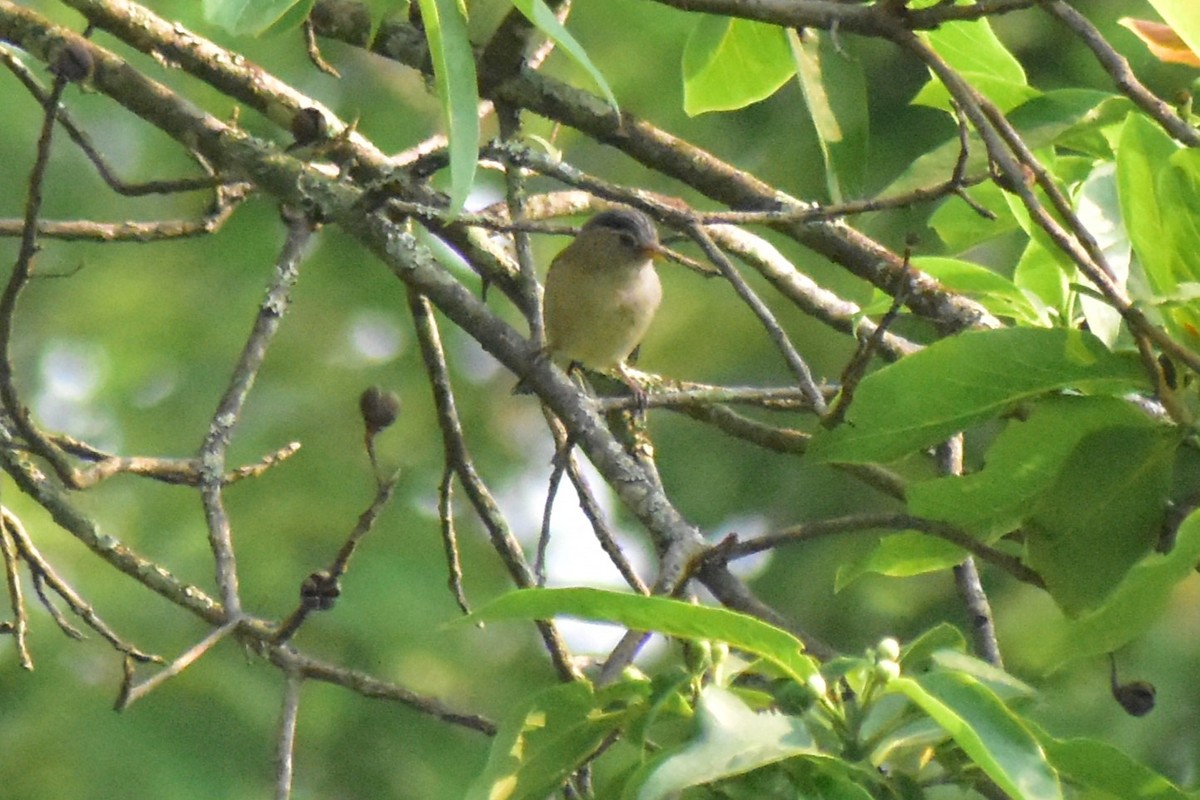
column 285, row 740
column 776, row 334
column 966, row 574
column 1118, row 69
column 132, row 692
column 458, row 458
column 229, row 409
column 450, row 539
column 322, row 587
column 16, row 600
column 45, row 575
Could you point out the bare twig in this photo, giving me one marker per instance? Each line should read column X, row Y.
column 792, row 358
column 44, row 575
column 229, row 409
column 16, row 600
column 131, row 692
column 285, row 741
column 1118, row 69
column 321, row 588
column 966, row 574
column 458, row 458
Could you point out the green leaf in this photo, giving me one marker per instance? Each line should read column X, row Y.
column 1025, row 459
column 987, row 731
column 730, row 63
column 961, row 227
column 994, row 292
column 1100, row 766
column 1184, row 18
column 1141, row 152
column 454, row 73
column 1040, row 121
column 974, row 51
column 1099, row 210
column 662, row 614
column 901, row 555
column 1102, row 514
column 248, row 17
column 835, row 94
column 1041, row 276
column 543, row 742
column 1130, row 610
column 963, row 380
column 730, row 739
column 537, row 12
column 1002, row 683
column 917, row 655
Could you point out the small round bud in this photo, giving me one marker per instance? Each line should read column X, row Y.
column 308, row 127
column 73, row 62
column 888, row 649
column 816, row 684
column 379, row 408
column 886, row 670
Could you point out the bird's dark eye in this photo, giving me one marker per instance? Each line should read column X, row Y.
column 629, row 240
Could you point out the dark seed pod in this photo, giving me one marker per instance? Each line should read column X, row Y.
column 308, row 127
column 1136, row 697
column 73, row 62
column 319, row 591
column 379, row 408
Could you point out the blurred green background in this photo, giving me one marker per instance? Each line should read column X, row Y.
column 132, row 351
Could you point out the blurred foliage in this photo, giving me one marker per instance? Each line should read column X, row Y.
column 129, row 347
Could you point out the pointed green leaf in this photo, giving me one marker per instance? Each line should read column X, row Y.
column 1100, row 766
column 1022, row 463
column 1102, row 514
column 543, row 742
column 730, row 63
column 730, row 739
column 1135, row 605
column 835, row 94
column 974, row 51
column 537, row 12
column 990, row 735
column 963, row 380
column 1040, row 121
column 662, row 614
column 901, row 555
column 454, row 73
column 994, row 292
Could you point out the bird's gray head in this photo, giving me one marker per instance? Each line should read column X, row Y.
column 635, row 229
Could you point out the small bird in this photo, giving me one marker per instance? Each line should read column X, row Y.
column 602, row 292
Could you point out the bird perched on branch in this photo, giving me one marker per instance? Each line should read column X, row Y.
column 602, row 292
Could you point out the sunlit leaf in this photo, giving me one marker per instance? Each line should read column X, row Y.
column 662, row 614
column 543, row 742
column 986, row 730
column 1183, row 16
column 454, row 73
column 1162, row 41
column 537, row 12
column 730, row 63
column 974, row 51
column 730, row 739
column 963, row 380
